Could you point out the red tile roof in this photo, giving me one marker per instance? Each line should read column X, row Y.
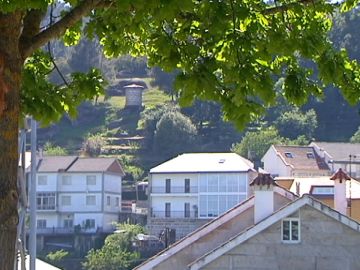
column 341, row 175
column 302, row 157
column 263, row 179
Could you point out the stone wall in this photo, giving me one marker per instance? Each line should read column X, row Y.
column 182, row 226
column 326, row 244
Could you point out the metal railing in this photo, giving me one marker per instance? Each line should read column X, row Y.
column 70, row 230
column 175, row 190
column 174, row 214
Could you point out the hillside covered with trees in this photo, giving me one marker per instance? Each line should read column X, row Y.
column 162, row 129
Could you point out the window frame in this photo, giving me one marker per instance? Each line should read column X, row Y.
column 167, row 209
column 42, row 223
column 88, row 197
column 291, row 241
column 66, row 197
column 167, row 185
column 89, row 179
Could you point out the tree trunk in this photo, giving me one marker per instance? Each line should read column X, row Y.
column 10, row 77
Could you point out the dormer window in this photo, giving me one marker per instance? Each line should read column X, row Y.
column 310, row 155
column 289, row 155
column 290, row 230
column 322, row 190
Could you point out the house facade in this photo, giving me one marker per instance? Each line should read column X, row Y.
column 340, row 155
column 273, row 229
column 77, row 194
column 294, row 161
column 187, row 191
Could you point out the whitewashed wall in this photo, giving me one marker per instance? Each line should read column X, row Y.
column 112, row 183
column 274, row 165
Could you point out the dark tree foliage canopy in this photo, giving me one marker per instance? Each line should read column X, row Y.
column 230, row 51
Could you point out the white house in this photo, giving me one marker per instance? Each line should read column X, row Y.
column 187, row 191
column 81, row 193
column 340, row 155
column 294, row 161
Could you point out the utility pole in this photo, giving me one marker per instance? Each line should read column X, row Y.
column 32, row 197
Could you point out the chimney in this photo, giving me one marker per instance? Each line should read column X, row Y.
column 263, row 186
column 340, row 202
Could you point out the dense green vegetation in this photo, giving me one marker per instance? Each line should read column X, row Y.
column 141, row 139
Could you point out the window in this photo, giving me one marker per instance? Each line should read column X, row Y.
column 117, row 201
column 91, row 200
column 213, row 183
column 68, row 223
column 310, row 155
column 89, row 223
column 45, row 200
column 203, row 183
column 167, row 209
column 290, row 230
column 168, row 185
column 66, row 180
column 42, row 180
column 322, row 190
column 232, row 183
column 203, row 205
column 187, row 210
column 91, row 180
column 66, row 200
column 213, row 205
column 41, row 223
column 187, row 185
column 107, row 200
column 288, row 155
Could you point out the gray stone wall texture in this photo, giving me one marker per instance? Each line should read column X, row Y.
column 326, row 244
column 182, row 226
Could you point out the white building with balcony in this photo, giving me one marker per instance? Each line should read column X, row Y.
column 187, row 191
column 76, row 193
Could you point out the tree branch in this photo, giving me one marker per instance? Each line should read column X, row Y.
column 58, row 28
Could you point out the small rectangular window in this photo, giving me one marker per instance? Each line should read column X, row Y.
column 91, row 200
column 187, row 210
column 187, row 185
column 91, row 180
column 291, row 230
column 107, row 200
column 117, row 201
column 41, row 223
column 288, row 155
column 66, row 200
column 168, row 185
column 89, row 223
column 68, row 223
column 310, row 155
column 66, row 180
column 42, row 180
column 167, row 209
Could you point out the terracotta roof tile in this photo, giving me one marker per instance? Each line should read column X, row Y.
column 302, row 157
column 263, row 179
column 341, row 175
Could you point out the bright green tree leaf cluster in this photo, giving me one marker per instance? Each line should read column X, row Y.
column 117, row 253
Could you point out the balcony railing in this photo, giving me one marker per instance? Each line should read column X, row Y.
column 71, row 230
column 54, row 230
column 174, row 214
column 174, row 190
